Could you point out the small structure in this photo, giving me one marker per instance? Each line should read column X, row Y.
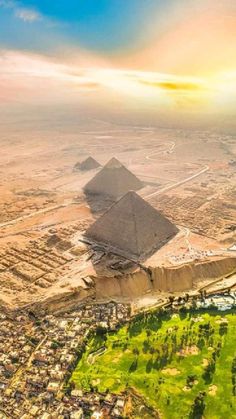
column 219, row 301
column 114, row 180
column 87, row 164
column 131, row 228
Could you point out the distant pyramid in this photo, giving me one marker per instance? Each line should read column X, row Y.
column 132, row 228
column 87, row 164
column 113, row 180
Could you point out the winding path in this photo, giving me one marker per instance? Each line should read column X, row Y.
column 168, row 150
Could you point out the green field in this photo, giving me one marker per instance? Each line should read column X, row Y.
column 182, row 364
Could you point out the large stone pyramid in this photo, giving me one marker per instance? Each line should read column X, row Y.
column 132, row 228
column 87, row 164
column 113, row 180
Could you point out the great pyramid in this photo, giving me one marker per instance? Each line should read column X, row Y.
column 132, row 228
column 113, row 180
column 87, row 164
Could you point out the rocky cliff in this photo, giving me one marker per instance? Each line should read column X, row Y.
column 165, row 279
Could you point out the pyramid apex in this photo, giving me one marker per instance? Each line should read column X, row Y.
column 113, row 163
column 130, row 195
column 90, row 159
column 87, row 164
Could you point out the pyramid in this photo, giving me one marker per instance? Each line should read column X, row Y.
column 114, row 180
column 132, row 228
column 87, row 164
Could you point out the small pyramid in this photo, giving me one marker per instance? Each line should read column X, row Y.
column 132, row 228
column 114, row 180
column 87, row 164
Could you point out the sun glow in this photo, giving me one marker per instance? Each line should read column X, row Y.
column 46, row 80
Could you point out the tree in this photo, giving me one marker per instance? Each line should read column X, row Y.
column 190, row 380
column 223, row 328
column 136, row 351
column 149, row 365
column 209, row 371
column 101, row 331
column 152, row 350
column 148, row 333
column 55, row 345
column 171, row 299
column 198, row 406
column 133, row 366
column 179, row 299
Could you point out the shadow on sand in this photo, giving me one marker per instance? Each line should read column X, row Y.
column 98, row 203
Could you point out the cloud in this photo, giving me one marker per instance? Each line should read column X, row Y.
column 27, row 15
column 172, row 86
column 152, row 82
column 33, row 78
column 23, row 13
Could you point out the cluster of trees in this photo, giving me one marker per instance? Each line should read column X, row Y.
column 209, row 371
column 101, row 332
column 205, row 335
column 179, row 300
column 151, row 320
column 198, row 406
column 223, row 328
column 211, row 366
column 163, row 346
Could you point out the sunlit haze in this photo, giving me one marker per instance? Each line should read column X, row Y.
column 168, row 57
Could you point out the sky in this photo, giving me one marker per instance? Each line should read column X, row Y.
column 157, row 56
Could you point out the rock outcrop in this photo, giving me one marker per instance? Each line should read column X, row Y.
column 164, row 279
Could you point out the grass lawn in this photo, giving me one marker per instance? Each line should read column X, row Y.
column 168, row 360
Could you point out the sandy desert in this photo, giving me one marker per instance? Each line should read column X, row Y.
column 189, row 176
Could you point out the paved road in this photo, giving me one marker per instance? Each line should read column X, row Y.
column 179, row 183
column 168, row 150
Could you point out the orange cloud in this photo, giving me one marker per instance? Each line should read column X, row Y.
column 172, row 86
